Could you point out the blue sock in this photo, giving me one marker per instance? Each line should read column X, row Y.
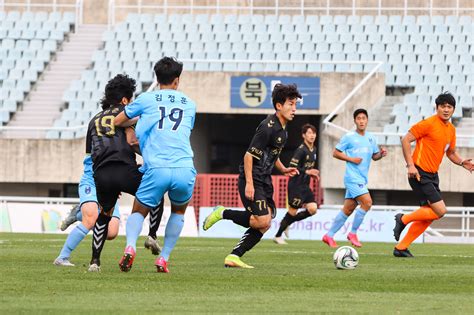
column 358, row 218
column 134, row 227
column 173, row 229
column 79, row 216
column 339, row 221
column 73, row 239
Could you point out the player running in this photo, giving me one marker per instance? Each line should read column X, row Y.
column 166, row 118
column 255, row 181
column 434, row 137
column 299, row 192
column 357, row 148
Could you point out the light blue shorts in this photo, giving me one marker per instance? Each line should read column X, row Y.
column 87, row 193
column 354, row 190
column 178, row 182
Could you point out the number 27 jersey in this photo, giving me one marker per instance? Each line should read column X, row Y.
column 164, row 128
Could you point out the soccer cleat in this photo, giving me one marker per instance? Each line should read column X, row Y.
column 126, row 261
column 152, row 244
column 279, row 240
column 352, row 237
column 233, row 261
column 399, row 226
column 71, row 217
column 402, row 253
column 64, row 262
column 94, row 265
column 161, row 265
column 330, row 241
column 287, row 232
column 214, row 217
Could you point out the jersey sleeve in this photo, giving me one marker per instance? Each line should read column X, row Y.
column 136, row 108
column 452, row 143
column 420, row 129
column 343, row 144
column 260, row 141
column 296, row 159
column 375, row 146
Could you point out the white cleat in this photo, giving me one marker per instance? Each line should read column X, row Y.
column 152, row 244
column 94, row 268
column 64, row 262
column 280, row 241
column 71, row 217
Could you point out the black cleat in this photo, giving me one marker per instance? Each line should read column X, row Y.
column 402, row 253
column 94, row 266
column 399, row 226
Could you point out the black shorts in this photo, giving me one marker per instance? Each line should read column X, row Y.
column 112, row 179
column 263, row 197
column 427, row 189
column 299, row 195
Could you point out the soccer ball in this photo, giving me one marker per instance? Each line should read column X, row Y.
column 346, row 257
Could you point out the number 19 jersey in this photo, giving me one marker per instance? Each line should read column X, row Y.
column 164, row 128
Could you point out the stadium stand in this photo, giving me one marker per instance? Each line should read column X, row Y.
column 28, row 42
column 429, row 54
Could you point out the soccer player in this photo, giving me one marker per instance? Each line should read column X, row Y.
column 166, row 118
column 299, row 193
column 255, row 181
column 434, row 137
column 357, row 148
column 114, row 164
column 87, row 213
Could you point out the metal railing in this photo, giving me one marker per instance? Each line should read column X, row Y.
column 53, row 5
column 301, row 7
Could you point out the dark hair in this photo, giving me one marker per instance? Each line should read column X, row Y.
column 167, row 69
column 360, row 111
column 445, row 98
column 282, row 92
column 305, row 128
column 117, row 88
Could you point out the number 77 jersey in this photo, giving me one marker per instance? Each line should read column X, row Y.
column 164, row 128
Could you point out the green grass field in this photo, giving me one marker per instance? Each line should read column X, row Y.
column 299, row 277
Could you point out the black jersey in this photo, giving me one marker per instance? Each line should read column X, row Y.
column 303, row 159
column 106, row 142
column 266, row 146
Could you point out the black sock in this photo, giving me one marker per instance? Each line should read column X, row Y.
column 302, row 215
column 101, row 228
column 155, row 219
column 285, row 222
column 247, row 242
column 237, row 216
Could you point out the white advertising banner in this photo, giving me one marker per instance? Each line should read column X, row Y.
column 46, row 218
column 377, row 226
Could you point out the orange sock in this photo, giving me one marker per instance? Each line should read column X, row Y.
column 422, row 214
column 416, row 229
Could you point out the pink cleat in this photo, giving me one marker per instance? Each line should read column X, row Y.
column 126, row 261
column 161, row 265
column 330, row 241
column 352, row 237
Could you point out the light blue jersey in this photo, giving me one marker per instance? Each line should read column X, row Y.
column 355, row 145
column 164, row 128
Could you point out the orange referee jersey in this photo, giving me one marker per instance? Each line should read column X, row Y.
column 433, row 138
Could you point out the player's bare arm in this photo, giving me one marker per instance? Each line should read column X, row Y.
column 382, row 153
column 132, row 139
column 406, row 148
column 290, row 171
column 121, row 120
column 454, row 156
column 343, row 157
column 248, row 166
